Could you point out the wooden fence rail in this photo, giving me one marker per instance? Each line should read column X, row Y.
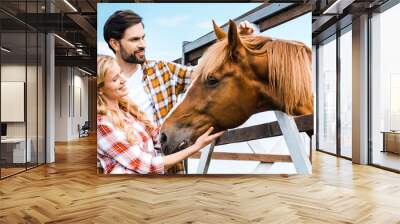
column 267, row 130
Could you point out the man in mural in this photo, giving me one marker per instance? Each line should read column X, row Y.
column 162, row 81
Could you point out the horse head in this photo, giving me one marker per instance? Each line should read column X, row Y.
column 237, row 77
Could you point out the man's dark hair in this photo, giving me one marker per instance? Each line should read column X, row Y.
column 118, row 22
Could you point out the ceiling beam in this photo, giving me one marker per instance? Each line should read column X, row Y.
column 86, row 26
column 337, row 7
column 284, row 16
column 81, row 61
column 321, row 21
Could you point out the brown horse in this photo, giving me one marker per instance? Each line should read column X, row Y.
column 239, row 76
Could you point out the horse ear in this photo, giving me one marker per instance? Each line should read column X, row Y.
column 234, row 41
column 218, row 31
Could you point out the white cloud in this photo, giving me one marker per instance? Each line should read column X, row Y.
column 205, row 25
column 164, row 55
column 172, row 21
column 102, row 48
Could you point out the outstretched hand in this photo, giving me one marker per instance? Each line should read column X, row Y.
column 206, row 138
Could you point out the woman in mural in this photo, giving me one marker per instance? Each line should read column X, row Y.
column 126, row 139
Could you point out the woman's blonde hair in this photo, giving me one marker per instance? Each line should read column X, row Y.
column 104, row 65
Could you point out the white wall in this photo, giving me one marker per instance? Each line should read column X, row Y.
column 33, row 127
column 16, row 73
column 80, row 97
column 61, row 103
column 70, row 83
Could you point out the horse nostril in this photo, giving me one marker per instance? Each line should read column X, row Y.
column 164, row 150
column 163, row 138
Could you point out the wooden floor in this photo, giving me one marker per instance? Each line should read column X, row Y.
column 10, row 171
column 5, row 172
column 387, row 159
column 70, row 191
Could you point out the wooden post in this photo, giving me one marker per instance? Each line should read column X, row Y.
column 205, row 159
column 294, row 143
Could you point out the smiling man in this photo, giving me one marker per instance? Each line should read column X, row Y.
column 162, row 81
column 153, row 85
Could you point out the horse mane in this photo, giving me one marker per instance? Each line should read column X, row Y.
column 288, row 67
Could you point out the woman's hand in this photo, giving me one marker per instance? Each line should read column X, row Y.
column 200, row 143
column 206, row 138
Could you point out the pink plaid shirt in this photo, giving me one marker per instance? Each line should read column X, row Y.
column 118, row 156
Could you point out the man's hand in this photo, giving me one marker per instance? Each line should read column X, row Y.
column 246, row 28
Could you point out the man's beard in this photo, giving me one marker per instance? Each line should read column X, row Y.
column 131, row 58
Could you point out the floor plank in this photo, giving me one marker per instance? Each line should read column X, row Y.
column 70, row 191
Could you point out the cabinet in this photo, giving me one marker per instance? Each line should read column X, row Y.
column 391, row 141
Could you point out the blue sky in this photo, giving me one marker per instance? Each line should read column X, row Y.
column 167, row 25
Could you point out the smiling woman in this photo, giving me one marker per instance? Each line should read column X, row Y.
column 126, row 139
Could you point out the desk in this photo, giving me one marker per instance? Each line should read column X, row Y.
column 391, row 141
column 13, row 150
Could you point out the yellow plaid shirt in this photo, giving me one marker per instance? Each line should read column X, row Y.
column 164, row 81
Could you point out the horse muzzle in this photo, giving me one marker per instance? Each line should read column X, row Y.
column 174, row 140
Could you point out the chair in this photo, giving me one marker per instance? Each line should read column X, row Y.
column 84, row 130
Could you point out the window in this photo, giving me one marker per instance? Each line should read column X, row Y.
column 346, row 92
column 327, row 96
column 385, row 89
column 22, row 76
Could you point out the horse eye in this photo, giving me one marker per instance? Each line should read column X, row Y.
column 211, row 81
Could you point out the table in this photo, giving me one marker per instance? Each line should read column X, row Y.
column 13, row 150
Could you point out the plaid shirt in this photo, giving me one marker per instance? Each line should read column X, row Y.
column 164, row 81
column 118, row 156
